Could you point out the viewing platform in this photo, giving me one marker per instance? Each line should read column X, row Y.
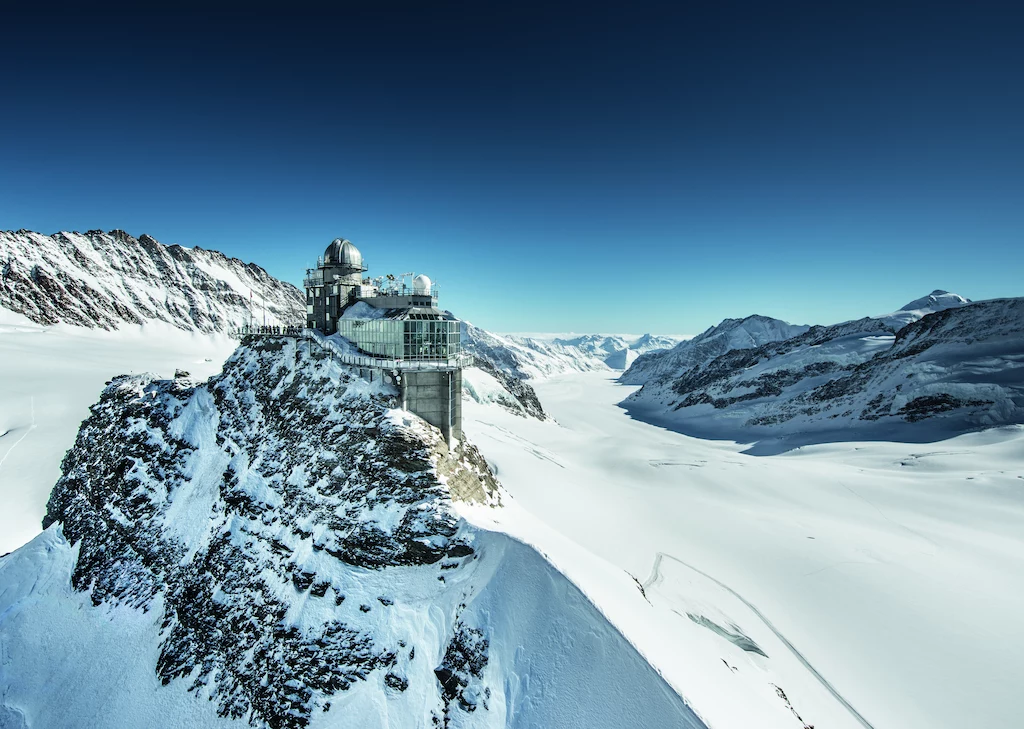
column 355, row 359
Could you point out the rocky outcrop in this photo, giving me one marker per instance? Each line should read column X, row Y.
column 519, row 397
column 221, row 497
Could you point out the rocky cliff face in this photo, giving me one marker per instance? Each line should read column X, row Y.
column 279, row 547
column 107, row 280
column 957, row 368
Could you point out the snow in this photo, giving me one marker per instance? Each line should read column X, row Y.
column 937, row 300
column 751, row 331
column 553, row 660
column 362, row 310
column 50, row 377
column 538, row 356
column 105, row 280
column 887, row 576
column 956, row 370
column 42, row 618
column 485, row 388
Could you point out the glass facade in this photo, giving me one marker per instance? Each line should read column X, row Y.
column 406, row 339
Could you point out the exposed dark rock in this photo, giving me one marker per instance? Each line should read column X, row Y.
column 50, row 279
column 276, row 428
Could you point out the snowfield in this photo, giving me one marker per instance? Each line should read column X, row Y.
column 50, row 376
column 854, row 584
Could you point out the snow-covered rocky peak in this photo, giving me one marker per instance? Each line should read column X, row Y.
column 751, row 331
column 937, row 300
column 107, row 280
column 279, row 547
column 957, row 368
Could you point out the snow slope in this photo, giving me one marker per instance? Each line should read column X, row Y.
column 106, row 280
column 959, row 368
column 524, row 357
column 278, row 547
column 887, row 575
column 78, row 309
column 50, row 376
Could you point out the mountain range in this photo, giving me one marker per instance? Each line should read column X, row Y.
column 280, row 545
column 108, row 280
column 938, row 366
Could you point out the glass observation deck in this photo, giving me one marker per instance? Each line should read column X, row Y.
column 404, row 339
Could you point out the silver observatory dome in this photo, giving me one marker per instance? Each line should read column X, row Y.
column 343, row 252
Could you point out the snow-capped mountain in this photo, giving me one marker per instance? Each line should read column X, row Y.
column 279, row 547
column 534, row 357
column 525, row 357
column 937, row 300
column 958, row 368
column 107, row 280
column 617, row 351
column 506, row 361
column 666, row 364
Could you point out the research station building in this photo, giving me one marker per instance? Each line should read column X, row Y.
column 396, row 326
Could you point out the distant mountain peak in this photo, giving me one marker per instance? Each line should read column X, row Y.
column 937, row 300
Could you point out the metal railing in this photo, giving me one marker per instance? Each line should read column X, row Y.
column 267, row 330
column 315, row 279
column 408, row 291
column 457, row 361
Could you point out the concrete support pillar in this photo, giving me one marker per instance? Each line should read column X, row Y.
column 435, row 396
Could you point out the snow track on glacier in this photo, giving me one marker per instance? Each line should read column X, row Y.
column 656, row 577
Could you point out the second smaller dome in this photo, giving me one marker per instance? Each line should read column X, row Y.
column 421, row 284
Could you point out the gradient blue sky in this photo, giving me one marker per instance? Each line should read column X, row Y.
column 600, row 167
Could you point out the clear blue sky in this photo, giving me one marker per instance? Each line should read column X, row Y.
column 600, row 167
